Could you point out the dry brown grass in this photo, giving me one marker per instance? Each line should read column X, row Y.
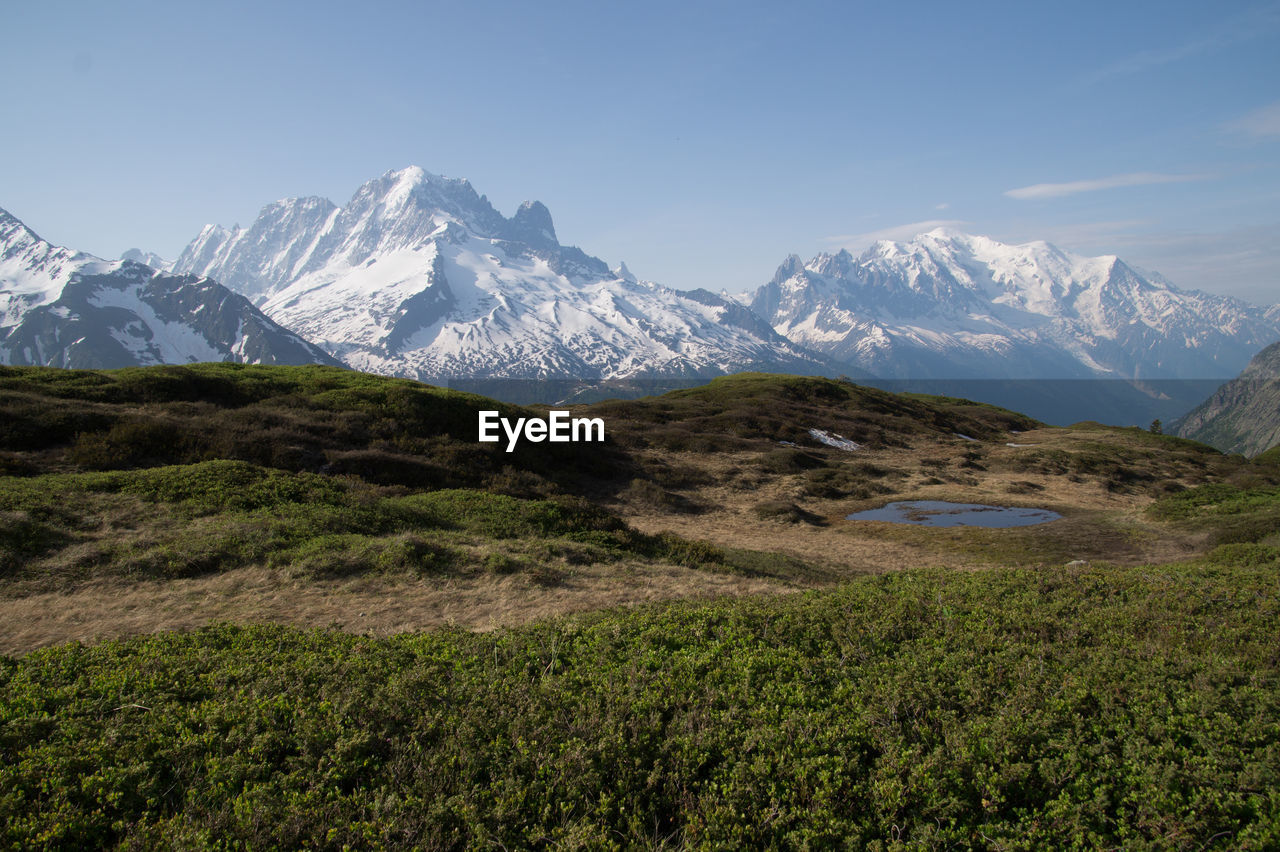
column 377, row 605
column 1099, row 524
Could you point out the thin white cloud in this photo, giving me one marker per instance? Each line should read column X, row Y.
column 897, row 232
column 1147, row 59
column 1261, row 123
column 1056, row 190
column 943, row 206
column 1246, row 26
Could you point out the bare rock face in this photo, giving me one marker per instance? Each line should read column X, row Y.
column 1242, row 416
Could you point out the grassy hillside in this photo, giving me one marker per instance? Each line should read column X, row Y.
column 730, row 412
column 1068, row 708
column 287, row 556
column 314, row 475
column 177, row 472
column 312, row 418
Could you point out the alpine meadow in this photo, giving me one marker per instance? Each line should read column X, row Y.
column 912, row 485
column 319, row 613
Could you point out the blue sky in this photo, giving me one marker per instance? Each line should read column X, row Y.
column 699, row 142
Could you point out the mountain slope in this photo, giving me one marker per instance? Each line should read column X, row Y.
column 419, row 276
column 64, row 308
column 1242, row 416
column 951, row 305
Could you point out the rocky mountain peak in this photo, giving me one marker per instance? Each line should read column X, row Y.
column 622, row 272
column 418, row 275
column 836, row 265
column 532, row 224
column 789, row 268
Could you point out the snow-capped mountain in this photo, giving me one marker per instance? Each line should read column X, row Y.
column 419, row 276
column 65, row 308
column 951, row 305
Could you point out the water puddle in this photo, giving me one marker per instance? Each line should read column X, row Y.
column 939, row 513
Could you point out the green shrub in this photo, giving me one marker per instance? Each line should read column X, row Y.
column 1049, row 708
column 1270, row 458
column 503, row 563
column 1244, row 554
column 22, row 537
column 129, row 443
column 221, row 486
column 347, row 554
column 186, row 520
column 1216, row 499
column 843, row 482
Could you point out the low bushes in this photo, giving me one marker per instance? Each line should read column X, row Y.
column 1055, row 708
column 186, row 520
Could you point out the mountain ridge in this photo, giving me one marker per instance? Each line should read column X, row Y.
column 948, row 302
column 419, row 276
column 66, row 308
column 1242, row 416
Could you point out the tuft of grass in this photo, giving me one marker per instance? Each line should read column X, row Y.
column 851, row 481
column 651, row 495
column 347, row 554
column 782, row 510
column 23, row 537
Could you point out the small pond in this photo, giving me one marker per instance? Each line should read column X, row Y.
column 938, row 513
